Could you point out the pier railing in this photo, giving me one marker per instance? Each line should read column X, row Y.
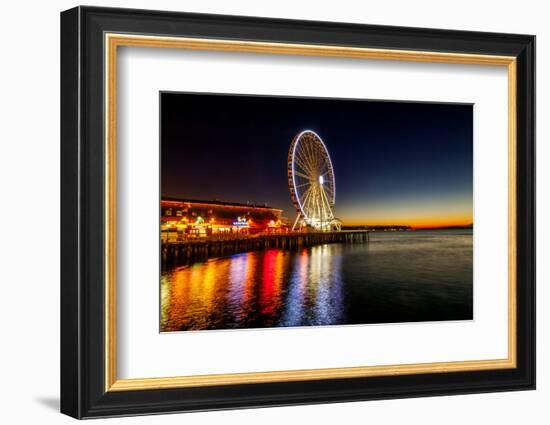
column 185, row 250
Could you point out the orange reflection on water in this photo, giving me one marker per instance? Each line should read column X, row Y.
column 194, row 295
column 254, row 289
column 396, row 277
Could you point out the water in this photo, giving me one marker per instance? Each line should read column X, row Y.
column 396, row 277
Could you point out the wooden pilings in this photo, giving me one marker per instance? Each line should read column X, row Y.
column 184, row 251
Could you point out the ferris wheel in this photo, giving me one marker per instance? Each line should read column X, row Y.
column 311, row 182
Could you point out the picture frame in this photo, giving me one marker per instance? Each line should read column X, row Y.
column 90, row 40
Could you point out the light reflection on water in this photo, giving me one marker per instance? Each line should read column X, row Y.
column 400, row 277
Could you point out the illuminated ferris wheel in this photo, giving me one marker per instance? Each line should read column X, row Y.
column 311, row 182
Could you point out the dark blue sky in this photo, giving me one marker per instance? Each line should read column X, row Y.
column 394, row 162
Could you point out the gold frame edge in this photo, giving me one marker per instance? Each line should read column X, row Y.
column 113, row 41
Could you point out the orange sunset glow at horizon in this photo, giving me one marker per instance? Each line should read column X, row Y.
column 449, row 211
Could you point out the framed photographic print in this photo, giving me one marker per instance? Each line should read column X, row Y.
column 261, row 212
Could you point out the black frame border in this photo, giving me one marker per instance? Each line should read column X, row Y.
column 82, row 212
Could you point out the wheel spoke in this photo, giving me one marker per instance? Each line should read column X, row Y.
column 305, row 202
column 303, row 175
column 303, row 165
column 303, row 157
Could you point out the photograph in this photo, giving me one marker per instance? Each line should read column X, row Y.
column 285, row 210
column 305, row 211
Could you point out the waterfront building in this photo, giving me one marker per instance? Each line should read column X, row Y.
column 185, row 218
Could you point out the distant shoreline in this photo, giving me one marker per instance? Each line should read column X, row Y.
column 446, row 227
column 403, row 228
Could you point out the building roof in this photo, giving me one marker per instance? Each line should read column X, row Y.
column 216, row 202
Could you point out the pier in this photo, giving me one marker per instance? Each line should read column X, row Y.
column 187, row 250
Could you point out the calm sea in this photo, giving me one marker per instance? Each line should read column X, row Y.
column 395, row 277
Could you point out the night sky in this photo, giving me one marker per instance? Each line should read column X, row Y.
column 394, row 162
